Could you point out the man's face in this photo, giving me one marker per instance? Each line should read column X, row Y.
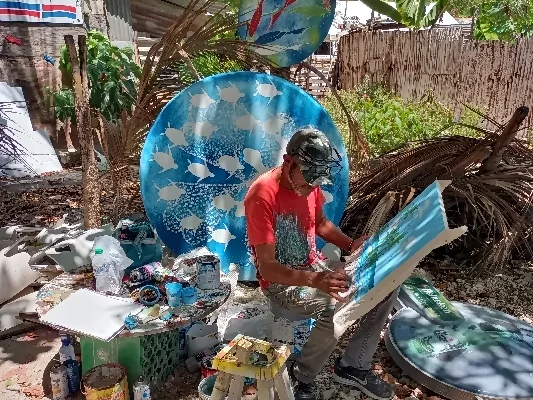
column 298, row 183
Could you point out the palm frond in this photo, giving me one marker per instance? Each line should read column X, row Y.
column 496, row 205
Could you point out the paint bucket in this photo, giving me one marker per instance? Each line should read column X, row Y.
column 208, row 272
column 188, row 294
column 106, row 381
column 206, row 386
column 173, row 290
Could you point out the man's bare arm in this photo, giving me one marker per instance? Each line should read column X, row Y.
column 272, row 271
column 328, row 231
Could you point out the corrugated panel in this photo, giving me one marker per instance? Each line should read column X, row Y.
column 119, row 20
column 156, row 16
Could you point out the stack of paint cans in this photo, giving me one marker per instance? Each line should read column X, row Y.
column 208, row 272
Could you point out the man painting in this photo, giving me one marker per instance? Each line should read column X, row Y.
column 284, row 215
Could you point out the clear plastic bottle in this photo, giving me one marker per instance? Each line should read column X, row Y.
column 66, row 351
column 106, row 273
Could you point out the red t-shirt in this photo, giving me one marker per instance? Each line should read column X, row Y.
column 275, row 215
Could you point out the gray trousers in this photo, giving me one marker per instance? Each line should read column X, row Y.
column 312, row 303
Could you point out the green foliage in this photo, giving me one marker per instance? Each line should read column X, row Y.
column 504, row 20
column 63, row 103
column 113, row 77
column 414, row 14
column 207, row 64
column 387, row 121
column 497, row 19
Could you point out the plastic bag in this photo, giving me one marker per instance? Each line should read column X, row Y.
column 252, row 319
column 109, row 262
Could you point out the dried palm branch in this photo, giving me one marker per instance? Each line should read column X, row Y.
column 494, row 199
column 169, row 68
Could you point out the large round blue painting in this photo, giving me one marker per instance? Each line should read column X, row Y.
column 288, row 31
column 207, row 146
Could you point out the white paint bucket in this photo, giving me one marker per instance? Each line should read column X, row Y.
column 208, row 272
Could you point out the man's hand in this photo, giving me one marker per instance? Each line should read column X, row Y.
column 332, row 283
column 357, row 243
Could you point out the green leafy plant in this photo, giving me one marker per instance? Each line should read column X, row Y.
column 388, row 122
column 113, row 77
column 414, row 14
column 497, row 19
column 504, row 20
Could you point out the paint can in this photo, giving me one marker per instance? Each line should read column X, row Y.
column 188, row 294
column 141, row 390
column 173, row 290
column 208, row 272
column 106, row 381
column 59, row 380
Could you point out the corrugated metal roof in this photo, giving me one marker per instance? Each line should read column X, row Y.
column 156, row 16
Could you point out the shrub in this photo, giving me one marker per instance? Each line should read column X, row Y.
column 387, row 121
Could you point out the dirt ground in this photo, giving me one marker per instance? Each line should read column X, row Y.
column 25, row 360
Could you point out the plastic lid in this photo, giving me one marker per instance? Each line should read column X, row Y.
column 98, row 251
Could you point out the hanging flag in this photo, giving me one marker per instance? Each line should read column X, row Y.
column 46, row 11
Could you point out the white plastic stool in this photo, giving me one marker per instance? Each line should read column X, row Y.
column 233, row 365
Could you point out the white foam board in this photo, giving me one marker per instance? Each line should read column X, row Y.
column 35, row 147
column 15, row 274
column 10, row 311
column 92, row 314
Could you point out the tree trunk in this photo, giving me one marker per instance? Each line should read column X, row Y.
column 90, row 175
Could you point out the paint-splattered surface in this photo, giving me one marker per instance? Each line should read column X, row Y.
column 289, row 31
column 417, row 225
column 207, row 146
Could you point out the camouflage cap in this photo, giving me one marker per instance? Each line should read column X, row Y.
column 316, row 155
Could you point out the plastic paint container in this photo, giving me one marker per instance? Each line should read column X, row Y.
column 173, row 290
column 208, row 272
column 188, row 294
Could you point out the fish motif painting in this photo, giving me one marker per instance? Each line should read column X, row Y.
column 206, row 148
column 288, row 31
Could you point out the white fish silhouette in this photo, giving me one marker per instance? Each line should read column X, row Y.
column 224, row 202
column 165, row 160
column 176, row 136
column 267, row 90
column 253, row 157
column 230, row 164
column 273, row 125
column 201, row 100
column 246, row 122
column 222, row 236
column 200, row 170
column 170, row 192
column 230, row 94
column 328, row 196
column 239, row 212
column 191, row 222
column 203, row 128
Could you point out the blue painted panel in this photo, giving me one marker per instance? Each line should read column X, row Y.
column 205, row 149
column 289, row 30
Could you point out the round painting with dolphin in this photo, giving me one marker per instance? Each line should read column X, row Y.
column 208, row 145
column 289, row 31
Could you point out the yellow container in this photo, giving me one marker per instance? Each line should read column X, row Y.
column 106, row 382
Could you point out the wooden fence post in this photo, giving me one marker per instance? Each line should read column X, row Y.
column 90, row 174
